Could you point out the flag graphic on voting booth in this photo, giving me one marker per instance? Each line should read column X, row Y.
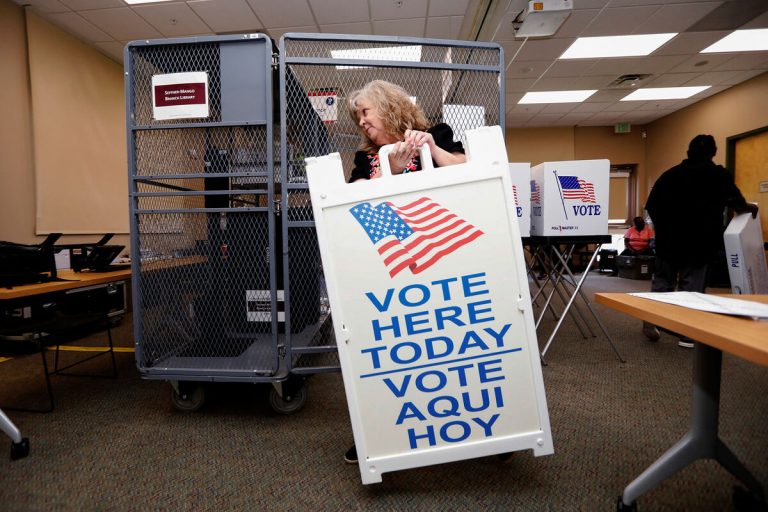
column 431, row 310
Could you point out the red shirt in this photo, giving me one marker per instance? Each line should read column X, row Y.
column 638, row 240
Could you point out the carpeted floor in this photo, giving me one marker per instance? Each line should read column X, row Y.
column 119, row 444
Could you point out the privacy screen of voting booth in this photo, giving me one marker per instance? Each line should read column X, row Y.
column 431, row 310
column 570, row 198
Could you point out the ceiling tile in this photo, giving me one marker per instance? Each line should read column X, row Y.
column 277, row 33
column 525, row 69
column 448, row 7
column 121, row 23
column 227, row 15
column 588, row 107
column 636, row 65
column 405, row 28
column 744, row 75
column 745, row 61
column 446, row 27
column 619, row 21
column 553, row 84
column 44, row 6
column 700, row 63
column 593, row 81
column 671, row 80
column 526, row 109
column 570, row 67
column 393, row 10
column 290, row 13
column 518, row 84
column 173, row 20
column 576, row 23
column 79, row 26
column 112, row 49
column 543, row 49
column 675, row 17
column 559, row 108
column 689, row 42
column 85, row 5
column 361, row 28
column 330, row 12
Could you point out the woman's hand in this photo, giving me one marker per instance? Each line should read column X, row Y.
column 401, row 155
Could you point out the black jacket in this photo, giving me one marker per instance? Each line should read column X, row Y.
column 687, row 205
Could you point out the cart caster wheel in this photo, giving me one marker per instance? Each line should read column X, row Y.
column 20, row 450
column 189, row 398
column 288, row 404
column 622, row 507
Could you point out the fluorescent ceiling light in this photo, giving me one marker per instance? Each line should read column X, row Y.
column 741, row 41
column 131, row 2
column 615, row 46
column 393, row 53
column 556, row 96
column 664, row 93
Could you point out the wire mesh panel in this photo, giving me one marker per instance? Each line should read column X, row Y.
column 455, row 82
column 202, row 208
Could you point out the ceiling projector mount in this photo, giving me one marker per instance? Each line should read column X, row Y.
column 541, row 18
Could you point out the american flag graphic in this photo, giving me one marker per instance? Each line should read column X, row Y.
column 535, row 192
column 413, row 236
column 514, row 193
column 575, row 188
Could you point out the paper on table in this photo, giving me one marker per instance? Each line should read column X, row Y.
column 711, row 303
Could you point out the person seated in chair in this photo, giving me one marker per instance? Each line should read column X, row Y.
column 638, row 240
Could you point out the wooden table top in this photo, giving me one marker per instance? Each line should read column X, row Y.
column 71, row 280
column 740, row 336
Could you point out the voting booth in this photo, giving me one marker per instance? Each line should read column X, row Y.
column 570, row 198
column 519, row 175
column 431, row 310
column 745, row 253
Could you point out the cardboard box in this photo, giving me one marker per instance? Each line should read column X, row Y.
column 635, row 267
column 570, row 198
column 745, row 255
column 520, row 175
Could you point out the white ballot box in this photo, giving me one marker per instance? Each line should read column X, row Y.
column 520, row 175
column 745, row 254
column 431, row 310
column 570, row 198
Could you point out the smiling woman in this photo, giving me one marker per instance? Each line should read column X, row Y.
column 386, row 114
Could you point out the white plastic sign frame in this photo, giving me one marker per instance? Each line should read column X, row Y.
column 431, row 310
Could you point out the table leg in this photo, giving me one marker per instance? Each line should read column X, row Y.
column 701, row 440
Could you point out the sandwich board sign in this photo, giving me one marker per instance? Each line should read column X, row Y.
column 431, row 310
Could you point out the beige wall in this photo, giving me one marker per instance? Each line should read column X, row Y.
column 536, row 145
column 17, row 184
column 80, row 132
column 739, row 109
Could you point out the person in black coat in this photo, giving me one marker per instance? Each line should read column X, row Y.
column 686, row 205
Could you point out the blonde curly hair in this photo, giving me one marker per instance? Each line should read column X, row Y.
column 393, row 104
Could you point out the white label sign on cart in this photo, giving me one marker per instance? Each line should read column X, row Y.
column 180, row 95
column 431, row 310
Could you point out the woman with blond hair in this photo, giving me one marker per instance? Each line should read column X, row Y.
column 386, row 114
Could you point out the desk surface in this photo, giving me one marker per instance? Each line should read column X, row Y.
column 72, row 280
column 743, row 337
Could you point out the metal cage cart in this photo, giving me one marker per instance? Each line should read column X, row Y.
column 204, row 223
column 456, row 82
column 227, row 279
